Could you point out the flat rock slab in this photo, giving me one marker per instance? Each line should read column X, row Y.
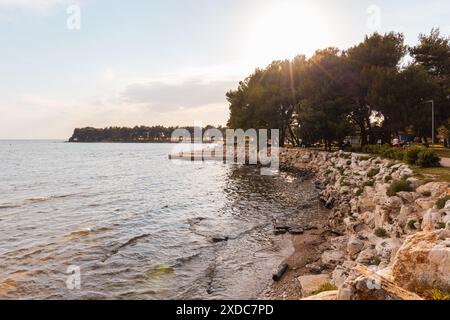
column 327, row 295
column 311, row 283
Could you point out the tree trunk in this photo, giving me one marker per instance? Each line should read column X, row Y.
column 295, row 140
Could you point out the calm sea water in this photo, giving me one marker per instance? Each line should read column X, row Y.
column 137, row 225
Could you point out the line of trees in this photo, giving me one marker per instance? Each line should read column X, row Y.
column 126, row 134
column 376, row 90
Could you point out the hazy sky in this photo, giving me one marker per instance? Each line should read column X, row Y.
column 166, row 62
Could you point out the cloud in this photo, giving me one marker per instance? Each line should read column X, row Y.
column 40, row 6
column 162, row 97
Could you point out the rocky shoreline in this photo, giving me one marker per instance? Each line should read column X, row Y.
column 387, row 235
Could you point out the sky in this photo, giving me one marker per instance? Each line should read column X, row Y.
column 77, row 63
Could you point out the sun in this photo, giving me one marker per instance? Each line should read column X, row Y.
column 283, row 30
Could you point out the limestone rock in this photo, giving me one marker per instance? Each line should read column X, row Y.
column 311, row 283
column 437, row 189
column 424, row 258
column 430, row 219
column 371, row 285
column 367, row 257
column 393, row 202
column 425, row 204
column 342, row 272
column 332, row 258
column 327, row 295
column 408, row 197
column 354, row 246
column 387, row 248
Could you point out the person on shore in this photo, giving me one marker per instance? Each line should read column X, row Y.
column 396, row 142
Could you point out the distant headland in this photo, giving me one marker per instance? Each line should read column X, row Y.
column 137, row 134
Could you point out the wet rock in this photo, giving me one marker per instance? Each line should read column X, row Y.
column 219, row 238
column 280, row 272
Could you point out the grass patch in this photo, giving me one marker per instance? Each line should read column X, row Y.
column 441, row 151
column 324, row 288
column 359, row 192
column 398, row 186
column 429, row 293
column 440, row 173
column 381, row 233
column 388, row 179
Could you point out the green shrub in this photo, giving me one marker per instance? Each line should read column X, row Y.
column 440, row 204
column 369, row 183
column 428, row 158
column 412, row 155
column 426, row 194
column 359, row 192
column 381, row 233
column 388, row 179
column 415, row 155
column 325, row 287
column 398, row 186
column 372, row 173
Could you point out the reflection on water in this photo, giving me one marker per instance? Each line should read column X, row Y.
column 138, row 225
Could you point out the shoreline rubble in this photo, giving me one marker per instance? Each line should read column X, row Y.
column 374, row 246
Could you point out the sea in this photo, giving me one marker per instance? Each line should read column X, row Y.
column 122, row 221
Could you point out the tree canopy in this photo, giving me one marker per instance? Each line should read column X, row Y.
column 375, row 90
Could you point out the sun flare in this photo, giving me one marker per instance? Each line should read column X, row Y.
column 284, row 30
